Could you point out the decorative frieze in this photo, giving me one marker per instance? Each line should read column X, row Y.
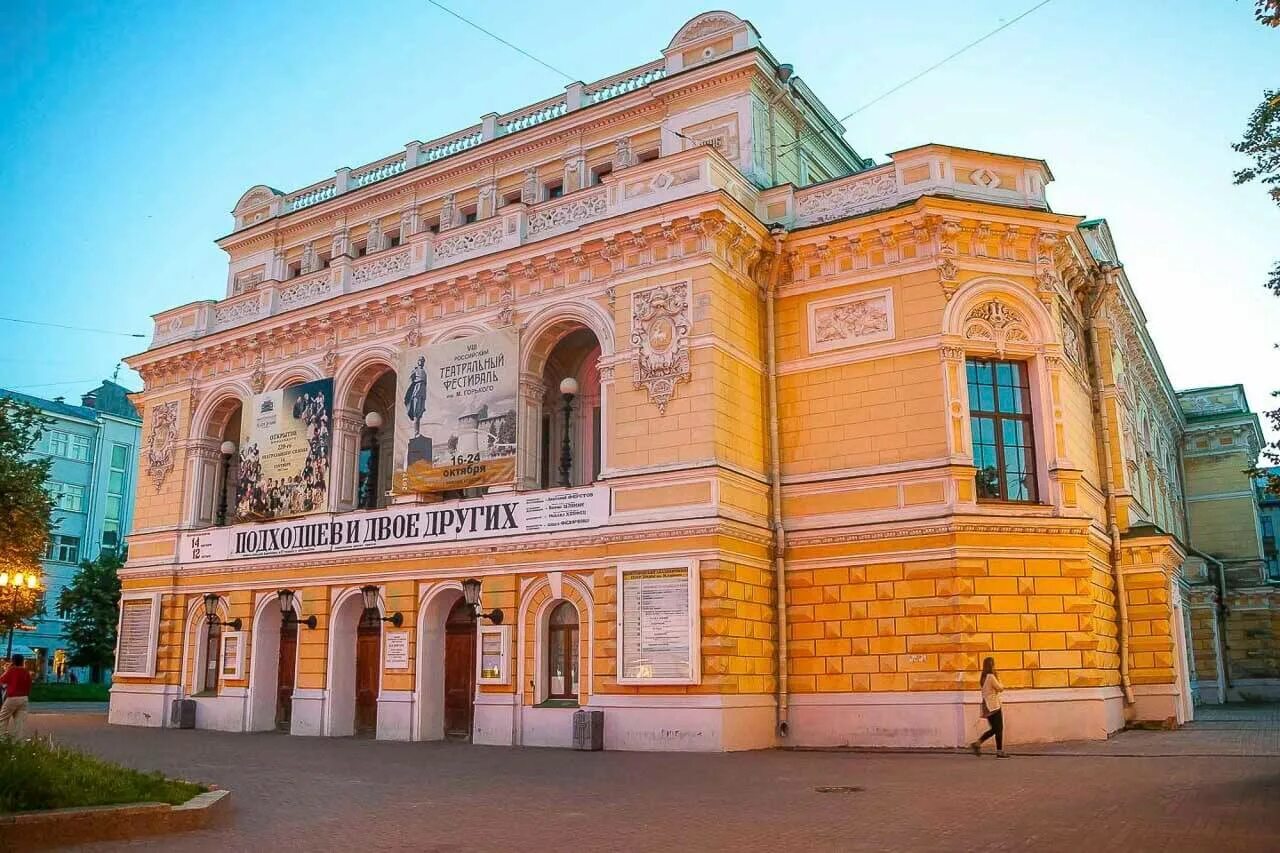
column 660, row 340
column 846, row 321
column 377, row 270
column 847, row 198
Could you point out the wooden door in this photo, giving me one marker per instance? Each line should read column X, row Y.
column 286, row 673
column 459, row 671
column 368, row 648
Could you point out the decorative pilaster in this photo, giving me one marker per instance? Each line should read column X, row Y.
column 529, row 462
column 448, row 212
column 347, row 424
column 529, row 190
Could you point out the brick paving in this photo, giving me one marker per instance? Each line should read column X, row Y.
column 327, row 794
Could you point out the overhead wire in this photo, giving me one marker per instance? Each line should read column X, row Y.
column 500, row 39
column 791, row 146
column 72, row 328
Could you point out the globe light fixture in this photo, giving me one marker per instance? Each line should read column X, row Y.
column 373, row 420
column 370, row 595
column 228, row 448
column 568, row 390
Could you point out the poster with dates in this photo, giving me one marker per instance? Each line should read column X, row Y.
column 285, row 447
column 456, row 414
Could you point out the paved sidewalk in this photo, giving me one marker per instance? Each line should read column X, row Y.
column 326, row 794
column 1218, row 730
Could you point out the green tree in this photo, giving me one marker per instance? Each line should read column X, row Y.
column 90, row 604
column 25, row 509
column 1261, row 144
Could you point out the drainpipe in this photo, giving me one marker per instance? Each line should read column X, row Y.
column 1100, row 424
column 775, row 479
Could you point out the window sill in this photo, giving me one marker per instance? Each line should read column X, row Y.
column 557, row 703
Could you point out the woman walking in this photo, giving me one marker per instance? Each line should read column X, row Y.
column 991, row 710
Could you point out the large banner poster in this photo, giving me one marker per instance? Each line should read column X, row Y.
column 456, row 415
column 285, row 443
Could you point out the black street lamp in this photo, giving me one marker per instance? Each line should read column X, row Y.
column 568, row 389
column 370, row 594
column 228, row 450
column 211, row 613
column 471, row 594
column 286, row 598
column 369, row 496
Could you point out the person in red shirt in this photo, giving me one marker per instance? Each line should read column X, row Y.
column 16, row 682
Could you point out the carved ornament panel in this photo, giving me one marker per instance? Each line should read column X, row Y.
column 660, row 340
column 846, row 321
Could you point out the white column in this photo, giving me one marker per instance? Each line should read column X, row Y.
column 529, row 455
column 343, row 477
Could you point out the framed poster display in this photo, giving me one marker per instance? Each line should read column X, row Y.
column 232, row 666
column 659, row 636
column 493, row 654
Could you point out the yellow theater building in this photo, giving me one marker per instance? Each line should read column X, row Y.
column 790, row 441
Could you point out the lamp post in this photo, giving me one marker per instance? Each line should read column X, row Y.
column 568, row 390
column 211, row 612
column 288, row 615
column 471, row 595
column 12, row 585
column 370, row 594
column 228, row 449
column 369, row 499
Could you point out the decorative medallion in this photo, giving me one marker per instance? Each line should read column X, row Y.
column 162, row 441
column 660, row 340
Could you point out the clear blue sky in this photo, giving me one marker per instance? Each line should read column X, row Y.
column 129, row 129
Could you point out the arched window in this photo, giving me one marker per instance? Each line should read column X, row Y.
column 212, row 651
column 562, row 652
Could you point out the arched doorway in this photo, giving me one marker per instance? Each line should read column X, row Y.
column 363, row 450
column 368, row 654
column 574, row 355
column 215, row 478
column 354, row 676
column 286, row 674
column 459, row 671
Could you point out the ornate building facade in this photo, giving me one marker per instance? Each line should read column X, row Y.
column 836, row 431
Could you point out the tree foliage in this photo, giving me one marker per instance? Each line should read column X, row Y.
column 25, row 506
column 1261, row 144
column 90, row 604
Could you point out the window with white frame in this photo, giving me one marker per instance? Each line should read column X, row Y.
column 63, row 549
column 1003, row 440
column 69, row 445
column 67, row 496
column 562, row 653
column 117, row 482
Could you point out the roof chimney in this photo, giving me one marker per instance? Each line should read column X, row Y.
column 89, row 400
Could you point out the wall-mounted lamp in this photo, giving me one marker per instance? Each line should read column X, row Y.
column 211, row 612
column 228, row 449
column 289, row 616
column 471, row 594
column 370, row 594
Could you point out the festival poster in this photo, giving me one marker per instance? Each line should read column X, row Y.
column 456, row 414
column 285, row 451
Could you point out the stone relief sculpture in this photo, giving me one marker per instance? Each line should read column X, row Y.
column 850, row 320
column 660, row 340
column 162, row 441
column 998, row 323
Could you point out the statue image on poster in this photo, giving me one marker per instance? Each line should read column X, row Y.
column 456, row 418
column 285, row 447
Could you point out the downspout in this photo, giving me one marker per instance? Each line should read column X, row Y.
column 1100, row 425
column 775, row 481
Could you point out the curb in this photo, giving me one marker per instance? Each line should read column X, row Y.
column 43, row 830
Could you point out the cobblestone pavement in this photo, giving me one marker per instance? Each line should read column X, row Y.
column 328, row 794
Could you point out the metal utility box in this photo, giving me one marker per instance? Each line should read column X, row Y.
column 588, row 730
column 182, row 714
